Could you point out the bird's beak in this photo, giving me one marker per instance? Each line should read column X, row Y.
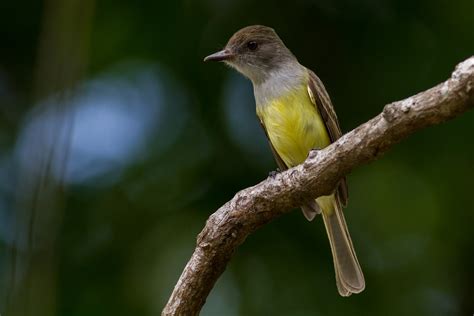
column 222, row 55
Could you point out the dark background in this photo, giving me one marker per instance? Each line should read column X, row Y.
column 117, row 142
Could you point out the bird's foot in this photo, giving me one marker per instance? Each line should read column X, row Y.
column 272, row 174
column 313, row 153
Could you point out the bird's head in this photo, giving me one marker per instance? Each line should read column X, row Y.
column 255, row 51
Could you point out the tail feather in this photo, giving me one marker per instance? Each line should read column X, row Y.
column 349, row 276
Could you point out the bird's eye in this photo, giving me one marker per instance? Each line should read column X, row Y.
column 252, row 45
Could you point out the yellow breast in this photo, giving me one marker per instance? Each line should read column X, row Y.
column 294, row 126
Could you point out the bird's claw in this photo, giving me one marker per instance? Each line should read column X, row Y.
column 272, row 174
column 313, row 153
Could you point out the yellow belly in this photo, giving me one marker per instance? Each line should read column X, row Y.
column 294, row 126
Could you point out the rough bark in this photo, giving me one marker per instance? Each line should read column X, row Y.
column 255, row 206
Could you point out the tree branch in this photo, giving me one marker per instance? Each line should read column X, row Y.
column 255, row 206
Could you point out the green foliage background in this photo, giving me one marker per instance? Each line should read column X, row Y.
column 126, row 232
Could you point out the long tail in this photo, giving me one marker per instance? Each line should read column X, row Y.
column 349, row 276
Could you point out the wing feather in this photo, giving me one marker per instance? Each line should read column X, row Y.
column 320, row 98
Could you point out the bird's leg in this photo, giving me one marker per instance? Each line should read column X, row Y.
column 272, row 174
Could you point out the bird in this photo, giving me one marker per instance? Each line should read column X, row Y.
column 297, row 116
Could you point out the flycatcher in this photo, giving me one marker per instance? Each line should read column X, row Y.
column 297, row 116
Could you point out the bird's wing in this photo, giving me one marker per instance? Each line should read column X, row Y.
column 320, row 98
